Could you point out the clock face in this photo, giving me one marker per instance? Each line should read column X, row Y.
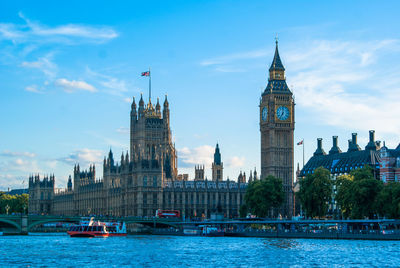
column 282, row 113
column 264, row 114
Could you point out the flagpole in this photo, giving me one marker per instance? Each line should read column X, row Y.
column 149, row 85
column 303, row 152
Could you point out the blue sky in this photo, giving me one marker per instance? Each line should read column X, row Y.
column 69, row 70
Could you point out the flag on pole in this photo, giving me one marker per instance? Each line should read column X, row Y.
column 147, row 73
column 300, row 142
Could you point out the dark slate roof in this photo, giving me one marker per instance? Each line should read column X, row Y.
column 277, row 86
column 394, row 152
column 342, row 162
column 276, row 62
column 17, row 191
column 398, row 147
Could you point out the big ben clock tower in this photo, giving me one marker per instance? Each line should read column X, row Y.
column 277, row 127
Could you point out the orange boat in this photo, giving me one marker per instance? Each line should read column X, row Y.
column 92, row 228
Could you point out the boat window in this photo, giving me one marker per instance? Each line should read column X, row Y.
column 90, row 228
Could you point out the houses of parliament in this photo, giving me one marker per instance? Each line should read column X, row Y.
column 146, row 178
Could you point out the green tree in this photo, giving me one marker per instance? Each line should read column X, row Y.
column 357, row 193
column 264, row 195
column 364, row 189
column 388, row 201
column 316, row 192
column 343, row 194
column 16, row 203
column 243, row 211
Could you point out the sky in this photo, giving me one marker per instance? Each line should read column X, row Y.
column 69, row 70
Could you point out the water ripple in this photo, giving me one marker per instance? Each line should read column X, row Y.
column 59, row 250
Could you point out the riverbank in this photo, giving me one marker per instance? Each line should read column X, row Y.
column 297, row 235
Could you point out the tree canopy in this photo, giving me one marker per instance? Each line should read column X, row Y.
column 264, row 195
column 316, row 192
column 357, row 193
column 15, row 203
column 388, row 201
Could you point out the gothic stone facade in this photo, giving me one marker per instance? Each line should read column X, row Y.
column 143, row 181
column 277, row 127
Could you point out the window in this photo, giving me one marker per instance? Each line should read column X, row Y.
column 144, row 181
column 144, row 199
column 155, row 181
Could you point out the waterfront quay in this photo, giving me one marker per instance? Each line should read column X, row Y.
column 386, row 229
column 378, row 229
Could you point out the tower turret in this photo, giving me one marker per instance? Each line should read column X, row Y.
column 69, row 184
column 133, row 110
column 276, row 71
column 110, row 159
column 122, row 159
column 166, row 110
column 158, row 106
column 217, row 166
column 141, row 107
column 277, row 122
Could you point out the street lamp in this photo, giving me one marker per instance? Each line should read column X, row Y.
column 7, row 208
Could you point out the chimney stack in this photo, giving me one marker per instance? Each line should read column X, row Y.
column 319, row 150
column 335, row 149
column 371, row 144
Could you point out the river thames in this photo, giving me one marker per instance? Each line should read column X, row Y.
column 59, row 250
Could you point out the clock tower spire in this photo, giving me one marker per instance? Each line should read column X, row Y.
column 276, row 129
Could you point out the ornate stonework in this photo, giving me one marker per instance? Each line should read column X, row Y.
column 143, row 181
column 277, row 127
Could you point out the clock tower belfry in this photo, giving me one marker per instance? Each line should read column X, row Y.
column 277, row 127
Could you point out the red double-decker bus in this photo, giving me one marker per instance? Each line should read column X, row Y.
column 162, row 213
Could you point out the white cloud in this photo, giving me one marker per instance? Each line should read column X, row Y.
column 236, row 56
column 7, row 153
column 123, row 130
column 32, row 31
column 200, row 155
column 229, row 69
column 12, row 181
column 33, row 88
column 73, row 85
column 111, row 85
column 43, row 64
column 84, row 156
column 236, row 162
column 339, row 82
column 347, row 84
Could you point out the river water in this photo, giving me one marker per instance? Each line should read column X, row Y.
column 59, row 250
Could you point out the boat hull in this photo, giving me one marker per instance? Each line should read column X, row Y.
column 87, row 234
